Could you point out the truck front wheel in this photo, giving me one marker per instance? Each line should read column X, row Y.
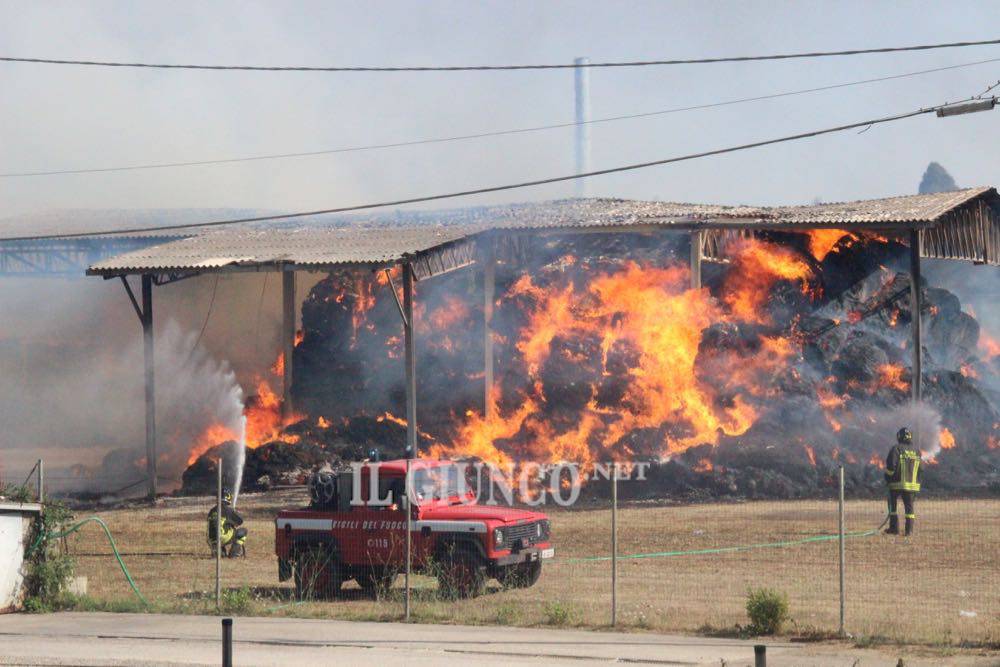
column 318, row 574
column 461, row 575
column 522, row 575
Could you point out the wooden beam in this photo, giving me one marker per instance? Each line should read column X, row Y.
column 696, row 237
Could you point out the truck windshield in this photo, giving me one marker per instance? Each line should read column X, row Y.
column 440, row 483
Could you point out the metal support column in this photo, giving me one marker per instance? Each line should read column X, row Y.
column 696, row 259
column 916, row 389
column 411, row 417
column 287, row 338
column 489, row 259
column 411, row 363
column 147, row 347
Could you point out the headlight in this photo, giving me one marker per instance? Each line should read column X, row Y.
column 498, row 536
column 538, row 529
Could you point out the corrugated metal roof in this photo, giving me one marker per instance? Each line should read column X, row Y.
column 383, row 239
column 269, row 247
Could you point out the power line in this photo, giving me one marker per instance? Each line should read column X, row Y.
column 479, row 68
column 488, row 189
column 497, row 133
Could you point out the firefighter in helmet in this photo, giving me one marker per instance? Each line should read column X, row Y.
column 902, row 474
column 234, row 535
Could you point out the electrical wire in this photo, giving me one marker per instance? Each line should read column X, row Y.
column 204, row 325
column 497, row 133
column 479, row 68
column 487, row 189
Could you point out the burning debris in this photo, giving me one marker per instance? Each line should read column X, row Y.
column 791, row 360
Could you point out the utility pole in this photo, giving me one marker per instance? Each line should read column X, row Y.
column 581, row 79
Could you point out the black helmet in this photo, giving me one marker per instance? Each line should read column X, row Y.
column 903, row 436
column 227, row 496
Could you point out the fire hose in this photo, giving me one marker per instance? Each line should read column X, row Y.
column 45, row 535
column 732, row 549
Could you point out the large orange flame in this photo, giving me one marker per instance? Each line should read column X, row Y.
column 652, row 314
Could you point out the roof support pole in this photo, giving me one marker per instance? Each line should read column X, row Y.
column 696, row 238
column 150, row 380
column 916, row 389
column 287, row 339
column 411, row 363
column 489, row 260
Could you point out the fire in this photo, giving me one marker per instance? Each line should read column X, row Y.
column 755, row 268
column 811, row 453
column 263, row 414
column 989, row 345
column 212, row 436
column 278, row 367
column 650, row 318
column 323, row 422
column 946, row 439
column 824, row 241
column 704, row 465
column 264, row 420
column 877, row 462
column 891, row 376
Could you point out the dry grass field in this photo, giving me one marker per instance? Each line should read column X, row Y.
column 941, row 586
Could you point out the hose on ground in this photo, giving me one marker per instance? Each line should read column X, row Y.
column 45, row 535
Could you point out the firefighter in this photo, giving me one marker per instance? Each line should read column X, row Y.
column 902, row 474
column 234, row 535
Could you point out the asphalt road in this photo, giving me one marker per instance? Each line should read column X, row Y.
column 154, row 639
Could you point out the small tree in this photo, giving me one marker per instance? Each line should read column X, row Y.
column 767, row 610
column 49, row 567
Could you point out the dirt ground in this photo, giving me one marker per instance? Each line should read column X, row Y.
column 939, row 587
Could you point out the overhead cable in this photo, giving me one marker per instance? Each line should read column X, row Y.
column 479, row 68
column 487, row 189
column 480, row 135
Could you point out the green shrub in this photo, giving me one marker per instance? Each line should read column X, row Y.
column 557, row 613
column 767, row 610
column 17, row 494
column 236, row 601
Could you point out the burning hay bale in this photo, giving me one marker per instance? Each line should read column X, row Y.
column 792, row 360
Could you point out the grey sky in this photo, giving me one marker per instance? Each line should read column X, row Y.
column 64, row 117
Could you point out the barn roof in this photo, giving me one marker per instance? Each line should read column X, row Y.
column 963, row 224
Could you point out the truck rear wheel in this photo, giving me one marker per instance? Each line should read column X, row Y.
column 522, row 575
column 318, row 574
column 376, row 581
column 461, row 575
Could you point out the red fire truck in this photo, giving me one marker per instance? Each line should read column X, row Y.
column 348, row 532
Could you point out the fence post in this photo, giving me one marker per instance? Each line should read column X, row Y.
column 41, row 481
column 760, row 655
column 218, row 537
column 227, row 642
column 840, row 533
column 409, row 546
column 614, row 545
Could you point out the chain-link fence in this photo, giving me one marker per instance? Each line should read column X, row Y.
column 680, row 566
column 22, row 484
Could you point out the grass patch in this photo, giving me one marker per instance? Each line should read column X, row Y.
column 558, row 613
